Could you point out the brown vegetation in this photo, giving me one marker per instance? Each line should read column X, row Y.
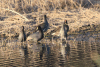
column 15, row 13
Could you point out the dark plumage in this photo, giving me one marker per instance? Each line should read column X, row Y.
column 44, row 25
column 22, row 35
column 66, row 28
column 62, row 30
column 66, row 25
column 36, row 36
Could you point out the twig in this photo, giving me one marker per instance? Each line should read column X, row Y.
column 16, row 13
column 91, row 3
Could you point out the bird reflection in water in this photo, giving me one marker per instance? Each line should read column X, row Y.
column 27, row 59
column 65, row 50
column 45, row 48
column 42, row 51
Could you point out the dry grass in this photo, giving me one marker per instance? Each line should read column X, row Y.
column 15, row 13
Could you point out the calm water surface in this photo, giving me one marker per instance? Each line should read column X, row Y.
column 77, row 51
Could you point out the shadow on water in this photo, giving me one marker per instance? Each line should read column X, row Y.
column 72, row 53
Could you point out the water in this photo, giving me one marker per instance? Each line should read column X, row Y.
column 77, row 51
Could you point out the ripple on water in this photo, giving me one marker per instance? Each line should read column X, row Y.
column 73, row 52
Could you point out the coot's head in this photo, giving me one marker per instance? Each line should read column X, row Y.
column 65, row 22
column 22, row 28
column 39, row 28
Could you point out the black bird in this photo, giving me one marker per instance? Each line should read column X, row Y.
column 61, row 30
column 44, row 25
column 36, row 36
column 22, row 35
column 66, row 25
column 66, row 28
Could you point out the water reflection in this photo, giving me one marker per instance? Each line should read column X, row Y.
column 72, row 53
column 42, row 51
column 25, row 51
column 65, row 49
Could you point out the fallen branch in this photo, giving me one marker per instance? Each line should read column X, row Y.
column 16, row 13
column 91, row 3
